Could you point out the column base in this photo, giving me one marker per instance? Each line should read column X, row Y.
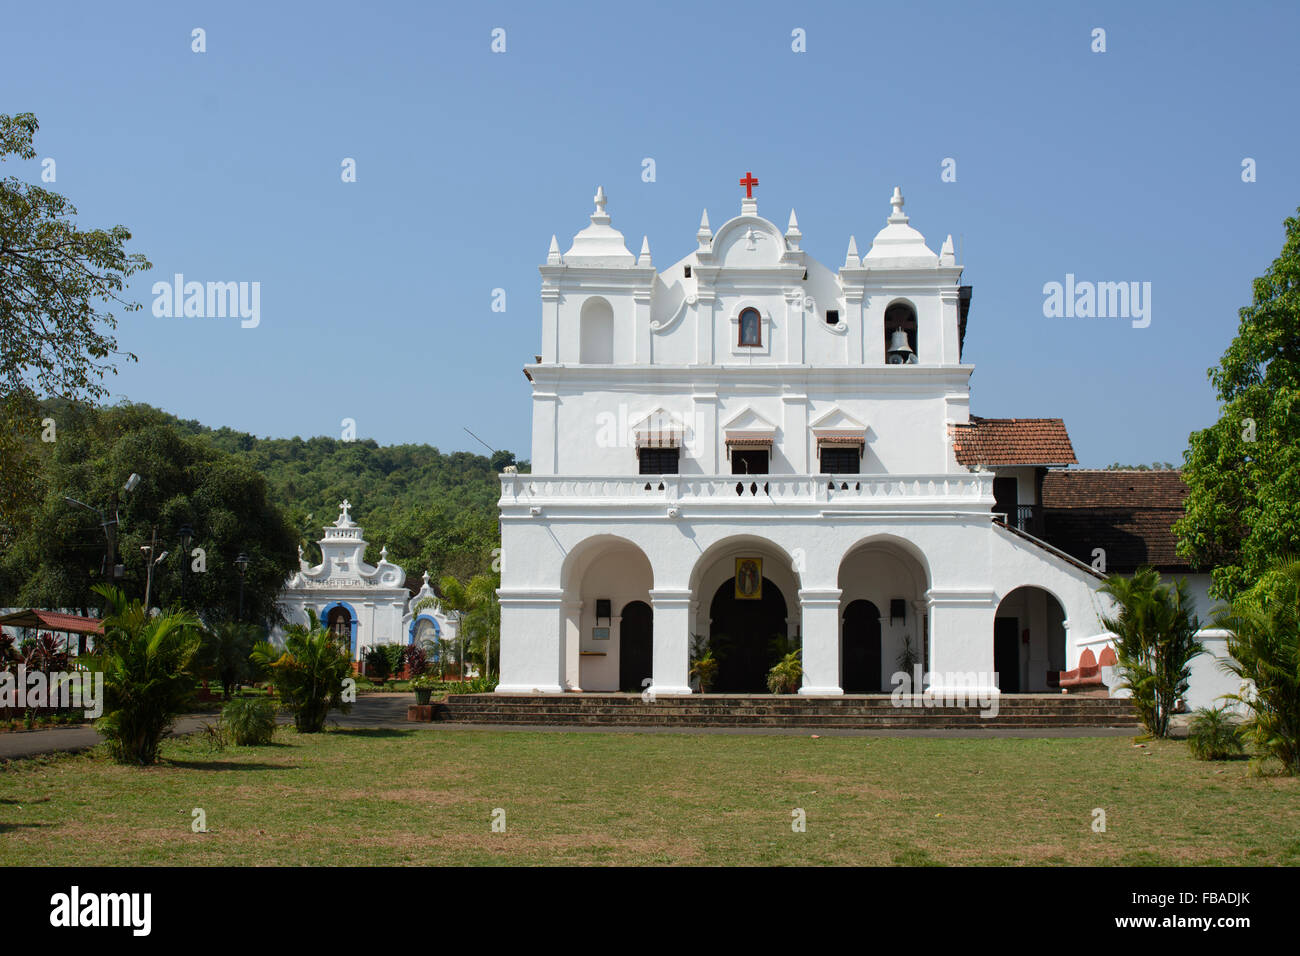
column 821, row 692
column 668, row 690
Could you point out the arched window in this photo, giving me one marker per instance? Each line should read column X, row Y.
column 596, row 345
column 900, row 335
column 751, row 328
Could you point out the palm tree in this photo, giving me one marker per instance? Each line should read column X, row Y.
column 479, row 612
column 1155, row 641
column 308, row 673
column 225, row 650
column 1264, row 648
column 148, row 680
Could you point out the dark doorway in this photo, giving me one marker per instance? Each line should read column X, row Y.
column 1006, row 653
column 748, row 637
column 861, row 648
column 1005, row 498
column 635, row 646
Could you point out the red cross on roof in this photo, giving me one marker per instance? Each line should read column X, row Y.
column 749, row 182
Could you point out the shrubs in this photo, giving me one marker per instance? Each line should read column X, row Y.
column 479, row 685
column 1155, row 641
column 250, row 721
column 148, row 679
column 786, row 676
column 1264, row 649
column 308, row 675
column 1212, row 735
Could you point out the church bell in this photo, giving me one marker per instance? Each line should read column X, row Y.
column 899, row 353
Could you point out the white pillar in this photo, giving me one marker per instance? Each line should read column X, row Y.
column 572, row 645
column 532, row 642
column 961, row 641
column 821, row 642
column 672, row 641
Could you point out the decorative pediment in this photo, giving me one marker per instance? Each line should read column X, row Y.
column 837, row 420
column 750, row 422
column 748, row 242
column 659, row 429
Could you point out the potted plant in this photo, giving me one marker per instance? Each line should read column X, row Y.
column 423, row 687
column 784, row 678
column 705, row 669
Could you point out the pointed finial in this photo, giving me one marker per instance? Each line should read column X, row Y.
column 705, row 234
column 600, row 216
column 851, row 258
column 897, row 202
column 644, row 258
column 792, row 233
column 553, row 257
column 426, row 579
column 946, row 255
column 383, row 553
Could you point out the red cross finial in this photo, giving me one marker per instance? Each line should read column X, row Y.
column 749, row 182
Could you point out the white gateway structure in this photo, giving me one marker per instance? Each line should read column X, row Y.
column 362, row 604
column 752, row 450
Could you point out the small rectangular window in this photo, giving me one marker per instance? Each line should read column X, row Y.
column 688, row 272
column 841, row 461
column 659, row 461
column 749, row 462
column 832, row 316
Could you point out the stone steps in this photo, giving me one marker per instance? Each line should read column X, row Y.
column 877, row 711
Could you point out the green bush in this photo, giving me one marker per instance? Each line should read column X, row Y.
column 308, row 674
column 1264, row 653
column 249, row 720
column 148, row 678
column 785, row 677
column 479, row 685
column 1212, row 735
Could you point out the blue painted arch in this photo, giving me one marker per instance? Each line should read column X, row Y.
column 352, row 615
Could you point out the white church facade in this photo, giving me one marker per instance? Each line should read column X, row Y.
column 751, row 450
column 363, row 604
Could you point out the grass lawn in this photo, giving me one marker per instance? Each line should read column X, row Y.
column 426, row 796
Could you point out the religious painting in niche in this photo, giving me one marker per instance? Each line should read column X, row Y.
column 749, row 579
column 600, row 633
column 751, row 330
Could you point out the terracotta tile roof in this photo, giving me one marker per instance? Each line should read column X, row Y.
column 53, row 621
column 1130, row 514
column 1012, row 441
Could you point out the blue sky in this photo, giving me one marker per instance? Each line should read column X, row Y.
column 376, row 295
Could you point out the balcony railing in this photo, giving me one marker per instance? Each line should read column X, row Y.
column 670, row 490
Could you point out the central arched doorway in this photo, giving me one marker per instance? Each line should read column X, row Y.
column 861, row 648
column 1029, row 641
column 636, row 647
column 341, row 625
column 747, row 633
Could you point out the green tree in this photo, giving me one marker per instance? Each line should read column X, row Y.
column 224, row 653
column 308, row 673
column 148, row 677
column 59, row 288
column 1263, row 627
column 60, row 552
column 1155, row 640
column 1243, row 472
column 480, row 617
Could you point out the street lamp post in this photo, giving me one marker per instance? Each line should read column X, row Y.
column 241, row 562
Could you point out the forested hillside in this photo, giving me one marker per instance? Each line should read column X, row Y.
column 434, row 511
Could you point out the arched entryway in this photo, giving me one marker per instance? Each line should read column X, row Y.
column 635, row 647
column 747, row 631
column 883, row 583
column 1029, row 641
column 341, row 621
column 603, row 577
column 861, row 649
